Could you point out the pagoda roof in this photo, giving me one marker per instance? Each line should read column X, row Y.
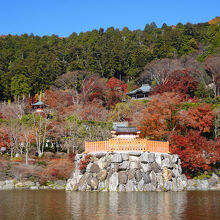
column 38, row 103
column 144, row 88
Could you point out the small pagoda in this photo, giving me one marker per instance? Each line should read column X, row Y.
column 39, row 107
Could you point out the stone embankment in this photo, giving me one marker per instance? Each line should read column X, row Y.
column 133, row 171
column 14, row 184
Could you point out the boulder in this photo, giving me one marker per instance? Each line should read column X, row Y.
column 102, row 175
column 138, row 175
column 102, row 186
column 158, row 159
column 19, row 184
column 99, row 155
column 29, row 183
column 140, row 186
column 159, row 178
column 174, row 158
column 135, row 165
column 88, row 167
column 78, row 157
column 36, row 187
column 202, row 184
column 146, row 178
column 60, row 182
column 175, row 172
column 125, row 156
column 122, row 177
column 121, row 188
column 146, row 167
column 167, row 174
column 8, row 185
column 102, row 163
column 155, row 167
column 124, row 165
column 147, row 157
column 94, row 168
column 192, row 184
column 174, row 185
column 113, row 182
column 130, row 186
column 134, row 158
column 213, row 180
column 149, row 187
column 144, row 157
column 116, row 158
column 135, row 153
column 179, row 184
column 153, row 178
column 110, row 172
column 94, row 183
column 168, row 186
column 166, row 163
column 83, row 181
column 115, row 167
column 131, row 174
column 151, row 157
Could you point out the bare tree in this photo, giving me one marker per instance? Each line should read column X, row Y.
column 212, row 66
column 159, row 70
column 13, row 110
column 13, row 134
column 27, row 135
column 40, row 130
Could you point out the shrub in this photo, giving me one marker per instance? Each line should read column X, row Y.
column 84, row 162
column 57, row 169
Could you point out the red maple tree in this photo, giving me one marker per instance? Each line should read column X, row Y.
column 117, row 91
column 179, row 81
column 196, row 152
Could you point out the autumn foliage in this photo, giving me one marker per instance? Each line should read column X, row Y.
column 196, row 152
column 117, row 90
column 84, row 162
column 179, row 81
column 189, row 130
column 57, row 169
column 160, row 119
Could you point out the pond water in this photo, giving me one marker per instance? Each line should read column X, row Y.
column 51, row 204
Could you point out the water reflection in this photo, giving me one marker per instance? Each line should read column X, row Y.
column 55, row 205
column 127, row 205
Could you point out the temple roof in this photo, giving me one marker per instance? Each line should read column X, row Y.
column 126, row 130
column 38, row 103
column 144, row 88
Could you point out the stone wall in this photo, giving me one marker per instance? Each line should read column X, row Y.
column 131, row 171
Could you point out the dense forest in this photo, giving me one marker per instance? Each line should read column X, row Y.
column 83, row 80
column 30, row 64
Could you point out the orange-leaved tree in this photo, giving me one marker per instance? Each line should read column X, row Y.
column 159, row 119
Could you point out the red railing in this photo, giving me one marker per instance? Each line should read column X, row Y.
column 127, row 145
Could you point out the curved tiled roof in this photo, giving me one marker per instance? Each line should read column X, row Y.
column 38, row 103
column 144, row 88
column 126, row 130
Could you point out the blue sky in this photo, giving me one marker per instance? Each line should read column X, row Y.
column 63, row 17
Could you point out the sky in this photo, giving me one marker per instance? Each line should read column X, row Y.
column 63, row 17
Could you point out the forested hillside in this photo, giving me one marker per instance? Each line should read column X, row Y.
column 83, row 80
column 30, row 64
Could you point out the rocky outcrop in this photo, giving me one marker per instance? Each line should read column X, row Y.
column 131, row 171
